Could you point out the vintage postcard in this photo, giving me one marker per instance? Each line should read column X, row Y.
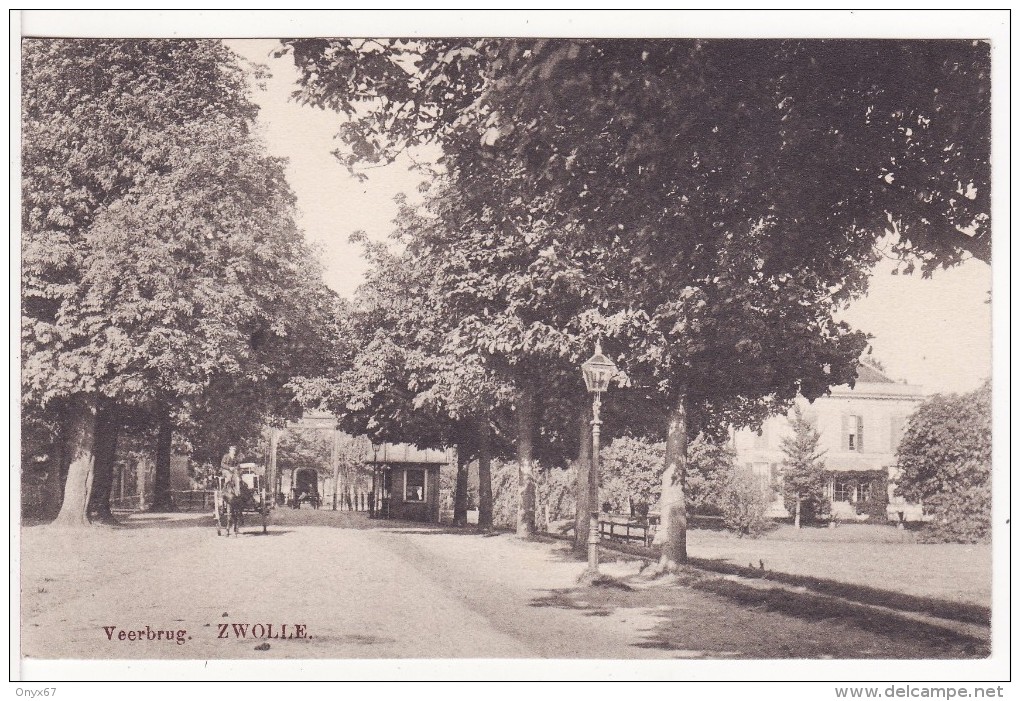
column 510, row 346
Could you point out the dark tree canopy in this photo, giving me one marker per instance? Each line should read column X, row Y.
column 634, row 187
column 160, row 247
column 836, row 141
column 99, row 117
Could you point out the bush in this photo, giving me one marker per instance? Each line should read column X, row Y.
column 554, row 488
column 945, row 462
column 708, row 466
column 744, row 503
column 630, row 473
column 959, row 517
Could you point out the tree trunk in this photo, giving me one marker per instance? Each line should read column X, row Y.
column 460, row 496
column 162, row 499
column 582, row 488
column 525, row 463
column 484, row 474
column 53, row 489
column 107, row 431
column 673, row 507
column 796, row 514
column 80, row 473
column 65, row 453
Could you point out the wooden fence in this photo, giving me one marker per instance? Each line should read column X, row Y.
column 184, row 500
column 357, row 501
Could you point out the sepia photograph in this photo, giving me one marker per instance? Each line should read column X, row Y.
column 608, row 343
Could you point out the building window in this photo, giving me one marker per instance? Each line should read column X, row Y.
column 864, row 492
column 761, row 439
column 414, row 485
column 853, row 433
column 843, row 491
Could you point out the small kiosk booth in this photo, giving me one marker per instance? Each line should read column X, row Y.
column 405, row 482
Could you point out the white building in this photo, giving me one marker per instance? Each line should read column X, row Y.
column 860, row 429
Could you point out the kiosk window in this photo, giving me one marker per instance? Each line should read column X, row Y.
column 414, row 485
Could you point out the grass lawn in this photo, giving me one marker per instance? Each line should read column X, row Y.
column 879, row 557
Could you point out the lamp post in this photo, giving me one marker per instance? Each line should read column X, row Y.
column 598, row 371
column 374, row 510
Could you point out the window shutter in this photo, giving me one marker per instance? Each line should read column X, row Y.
column 844, row 432
column 895, row 432
column 860, row 434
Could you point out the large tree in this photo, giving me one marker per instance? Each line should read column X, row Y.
column 93, row 112
column 396, row 382
column 703, row 205
column 181, row 265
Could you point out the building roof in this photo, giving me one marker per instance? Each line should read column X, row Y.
column 395, row 453
column 869, row 373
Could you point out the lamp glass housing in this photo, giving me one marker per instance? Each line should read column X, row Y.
column 598, row 371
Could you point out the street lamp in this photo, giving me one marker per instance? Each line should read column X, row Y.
column 598, row 371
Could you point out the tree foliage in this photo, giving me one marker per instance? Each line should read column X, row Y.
column 99, row 118
column 299, row 449
column 944, row 462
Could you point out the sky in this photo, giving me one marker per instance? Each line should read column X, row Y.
column 934, row 332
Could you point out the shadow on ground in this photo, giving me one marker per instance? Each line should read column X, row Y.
column 709, row 624
column 940, row 608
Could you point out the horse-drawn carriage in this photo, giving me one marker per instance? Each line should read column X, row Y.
column 235, row 495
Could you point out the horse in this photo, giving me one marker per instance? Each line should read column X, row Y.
column 237, row 494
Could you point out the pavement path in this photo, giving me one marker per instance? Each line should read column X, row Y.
column 376, row 589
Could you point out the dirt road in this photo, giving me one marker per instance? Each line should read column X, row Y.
column 335, row 585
